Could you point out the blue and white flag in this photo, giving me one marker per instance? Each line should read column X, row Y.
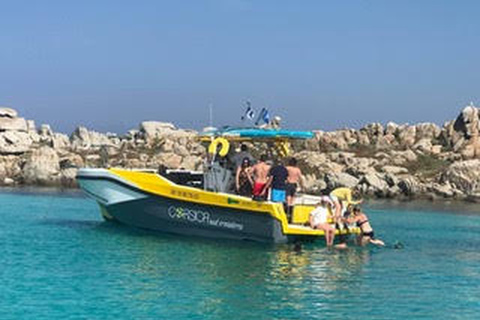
column 264, row 116
column 249, row 113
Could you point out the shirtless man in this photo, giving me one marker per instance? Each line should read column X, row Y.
column 260, row 172
column 293, row 180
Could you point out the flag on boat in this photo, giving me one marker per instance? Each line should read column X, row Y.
column 249, row 113
column 263, row 116
column 266, row 117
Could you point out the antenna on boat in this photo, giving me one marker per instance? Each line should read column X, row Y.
column 210, row 113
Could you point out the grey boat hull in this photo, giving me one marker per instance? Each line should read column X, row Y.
column 121, row 201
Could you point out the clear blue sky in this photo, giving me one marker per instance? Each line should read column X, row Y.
column 318, row 64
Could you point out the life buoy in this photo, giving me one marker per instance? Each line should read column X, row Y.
column 212, row 149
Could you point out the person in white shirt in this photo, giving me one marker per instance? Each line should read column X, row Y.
column 319, row 220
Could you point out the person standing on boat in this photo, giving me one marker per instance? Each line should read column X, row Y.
column 243, row 178
column 277, row 182
column 238, row 158
column 294, row 179
column 260, row 173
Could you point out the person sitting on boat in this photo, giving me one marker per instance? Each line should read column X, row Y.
column 277, row 177
column 294, row 179
column 319, row 220
column 367, row 236
column 238, row 158
column 260, row 173
column 243, row 178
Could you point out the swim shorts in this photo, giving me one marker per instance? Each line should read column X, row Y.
column 291, row 189
column 278, row 195
column 258, row 188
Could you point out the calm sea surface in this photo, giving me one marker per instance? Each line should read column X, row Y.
column 60, row 261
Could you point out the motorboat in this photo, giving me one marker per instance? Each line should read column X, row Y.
column 201, row 203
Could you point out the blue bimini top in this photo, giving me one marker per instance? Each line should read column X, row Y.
column 259, row 133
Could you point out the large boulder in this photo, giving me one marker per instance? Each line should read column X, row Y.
column 385, row 142
column 407, row 135
column 427, row 130
column 82, row 138
column 341, row 179
column 362, row 138
column 333, row 140
column 361, row 166
column 445, row 190
column 9, row 166
column 31, row 127
column 42, row 167
column 423, row 145
column 374, row 130
column 409, row 186
column 468, row 122
column 191, row 163
column 13, row 124
column 14, row 142
column 463, row 175
column 394, row 169
column 375, row 181
column 169, row 160
column 399, row 158
column 67, row 177
column 60, row 141
column 8, row 113
column 317, row 163
column 463, row 134
column 151, row 131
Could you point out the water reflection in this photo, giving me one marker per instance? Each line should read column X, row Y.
column 238, row 274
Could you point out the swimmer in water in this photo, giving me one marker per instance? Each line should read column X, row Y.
column 367, row 236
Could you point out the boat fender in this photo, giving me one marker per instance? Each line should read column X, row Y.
column 225, row 146
column 283, row 148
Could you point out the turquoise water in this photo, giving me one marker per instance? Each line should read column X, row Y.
column 60, row 261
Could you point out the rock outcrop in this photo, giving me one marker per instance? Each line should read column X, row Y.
column 392, row 160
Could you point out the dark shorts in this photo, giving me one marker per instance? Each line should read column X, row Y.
column 291, row 189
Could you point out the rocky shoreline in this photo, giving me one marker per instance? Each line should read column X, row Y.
column 383, row 161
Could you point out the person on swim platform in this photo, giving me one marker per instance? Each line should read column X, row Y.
column 319, row 220
column 342, row 198
column 367, row 236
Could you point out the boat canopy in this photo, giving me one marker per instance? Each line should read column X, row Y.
column 242, row 134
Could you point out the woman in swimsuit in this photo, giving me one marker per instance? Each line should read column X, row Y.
column 244, row 181
column 367, row 236
column 319, row 220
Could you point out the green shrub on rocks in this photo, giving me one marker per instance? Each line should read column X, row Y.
column 427, row 166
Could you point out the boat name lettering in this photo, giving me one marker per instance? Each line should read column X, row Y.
column 185, row 194
column 202, row 217
column 188, row 214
